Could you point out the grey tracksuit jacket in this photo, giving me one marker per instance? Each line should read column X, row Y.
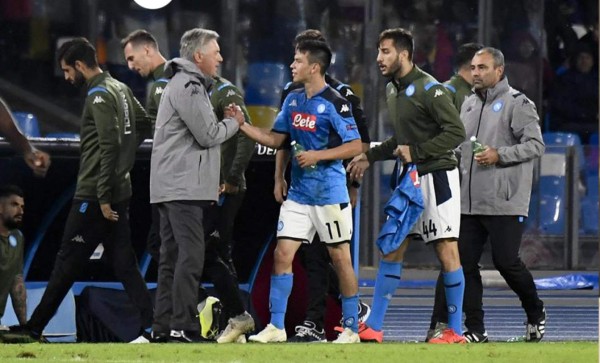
column 503, row 118
column 186, row 155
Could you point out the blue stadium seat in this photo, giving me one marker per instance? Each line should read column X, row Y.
column 557, row 143
column 552, row 214
column 589, row 214
column 28, row 124
column 592, row 155
column 265, row 81
column 61, row 328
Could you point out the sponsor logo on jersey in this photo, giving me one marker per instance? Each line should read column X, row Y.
column 98, row 99
column 344, row 108
column 293, row 103
column 410, row 90
column 438, row 92
column 304, row 121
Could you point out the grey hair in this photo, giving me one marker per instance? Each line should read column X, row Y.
column 195, row 40
column 495, row 53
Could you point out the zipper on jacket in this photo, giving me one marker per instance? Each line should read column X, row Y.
column 473, row 155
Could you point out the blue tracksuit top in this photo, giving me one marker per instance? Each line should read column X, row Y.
column 403, row 210
column 321, row 122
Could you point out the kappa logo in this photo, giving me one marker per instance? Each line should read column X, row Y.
column 349, row 92
column 159, row 91
column 98, row 99
column 230, row 93
column 448, row 229
column 293, row 103
column 345, row 108
column 438, row 92
column 78, row 239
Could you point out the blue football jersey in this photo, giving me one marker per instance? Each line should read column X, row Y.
column 321, row 122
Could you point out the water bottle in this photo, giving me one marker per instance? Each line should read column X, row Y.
column 299, row 149
column 477, row 146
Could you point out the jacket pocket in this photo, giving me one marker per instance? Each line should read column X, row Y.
column 502, row 186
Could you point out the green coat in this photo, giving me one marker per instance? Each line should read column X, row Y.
column 423, row 117
column 237, row 151
column 112, row 126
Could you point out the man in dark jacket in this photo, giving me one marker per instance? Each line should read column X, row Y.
column 113, row 124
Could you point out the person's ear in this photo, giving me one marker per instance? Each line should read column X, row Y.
column 79, row 66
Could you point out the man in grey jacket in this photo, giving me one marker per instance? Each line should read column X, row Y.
column 495, row 189
column 184, row 179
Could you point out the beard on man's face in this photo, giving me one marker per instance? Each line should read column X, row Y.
column 13, row 223
column 79, row 79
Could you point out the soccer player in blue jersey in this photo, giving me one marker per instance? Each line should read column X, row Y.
column 320, row 120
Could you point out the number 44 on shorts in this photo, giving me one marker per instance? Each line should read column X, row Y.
column 429, row 229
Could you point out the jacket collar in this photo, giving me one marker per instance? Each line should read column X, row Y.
column 183, row 65
column 492, row 93
column 96, row 80
column 409, row 78
column 158, row 72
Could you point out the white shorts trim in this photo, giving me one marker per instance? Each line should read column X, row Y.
column 333, row 222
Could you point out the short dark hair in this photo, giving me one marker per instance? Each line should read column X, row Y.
column 8, row 190
column 78, row 49
column 139, row 37
column 309, row 34
column 465, row 54
column 318, row 52
column 403, row 40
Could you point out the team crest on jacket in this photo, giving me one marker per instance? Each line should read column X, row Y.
column 12, row 240
column 497, row 106
column 410, row 90
column 321, row 108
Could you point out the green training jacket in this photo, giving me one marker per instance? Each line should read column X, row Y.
column 460, row 90
column 238, row 150
column 424, row 117
column 112, row 126
column 159, row 82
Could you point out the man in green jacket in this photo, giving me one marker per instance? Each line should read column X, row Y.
column 427, row 129
column 235, row 157
column 144, row 57
column 461, row 87
column 112, row 126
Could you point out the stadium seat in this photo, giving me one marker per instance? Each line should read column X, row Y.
column 262, row 116
column 557, row 143
column 589, row 214
column 552, row 214
column 63, row 135
column 265, row 81
column 28, row 123
column 61, row 328
column 591, row 159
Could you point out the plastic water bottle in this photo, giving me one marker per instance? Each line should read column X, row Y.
column 477, row 146
column 299, row 149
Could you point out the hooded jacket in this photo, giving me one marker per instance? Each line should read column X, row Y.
column 186, row 154
column 503, row 118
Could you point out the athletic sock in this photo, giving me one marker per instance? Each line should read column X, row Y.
column 281, row 287
column 454, row 285
column 350, row 312
column 388, row 279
